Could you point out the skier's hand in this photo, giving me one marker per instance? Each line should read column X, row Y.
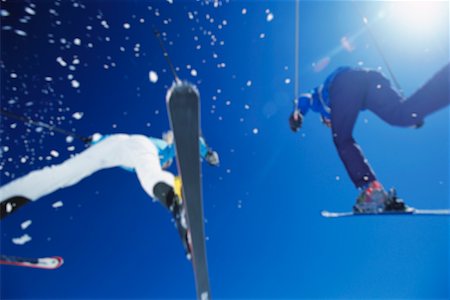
column 295, row 121
column 326, row 122
column 212, row 157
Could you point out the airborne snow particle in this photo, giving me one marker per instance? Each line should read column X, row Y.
column 13, row 75
column 126, row 26
column 61, row 61
column 244, row 11
column 54, row 153
column 77, row 41
column 4, row 13
column 269, row 17
column 255, row 130
column 25, row 224
column 249, row 83
column 30, row 11
column 22, row 240
column 194, row 72
column 69, row 139
column 77, row 115
column 153, row 76
column 75, row 84
column 20, row 32
column 287, row 80
column 57, row 204
column 262, row 35
column 105, row 24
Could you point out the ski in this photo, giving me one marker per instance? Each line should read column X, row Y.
column 49, row 263
column 183, row 106
column 409, row 212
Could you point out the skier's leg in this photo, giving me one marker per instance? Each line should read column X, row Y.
column 432, row 96
column 347, row 94
column 141, row 154
column 384, row 101
column 158, row 183
column 49, row 179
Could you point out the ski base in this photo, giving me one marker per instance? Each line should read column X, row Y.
column 49, row 263
column 409, row 212
column 183, row 105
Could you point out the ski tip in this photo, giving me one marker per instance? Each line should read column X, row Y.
column 329, row 214
column 50, row 263
column 60, row 261
column 181, row 87
column 205, row 296
column 325, row 213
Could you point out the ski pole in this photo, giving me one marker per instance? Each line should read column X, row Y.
column 53, row 128
column 378, row 47
column 166, row 55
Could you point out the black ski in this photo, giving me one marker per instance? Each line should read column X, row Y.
column 183, row 105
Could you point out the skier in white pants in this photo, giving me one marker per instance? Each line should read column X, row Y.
column 146, row 156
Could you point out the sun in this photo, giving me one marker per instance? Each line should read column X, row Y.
column 418, row 17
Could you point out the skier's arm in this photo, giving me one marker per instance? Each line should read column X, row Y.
column 302, row 106
column 211, row 157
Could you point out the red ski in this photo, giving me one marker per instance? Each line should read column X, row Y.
column 49, row 263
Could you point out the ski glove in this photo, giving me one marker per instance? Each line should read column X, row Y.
column 212, row 158
column 296, row 121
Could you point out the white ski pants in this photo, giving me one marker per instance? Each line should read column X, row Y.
column 118, row 150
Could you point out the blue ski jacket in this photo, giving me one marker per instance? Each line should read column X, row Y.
column 318, row 99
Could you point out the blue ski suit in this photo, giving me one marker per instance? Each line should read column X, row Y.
column 347, row 91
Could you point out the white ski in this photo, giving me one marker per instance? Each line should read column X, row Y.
column 49, row 263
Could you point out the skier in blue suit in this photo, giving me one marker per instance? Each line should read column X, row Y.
column 345, row 93
column 148, row 157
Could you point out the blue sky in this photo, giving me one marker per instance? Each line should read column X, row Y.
column 265, row 235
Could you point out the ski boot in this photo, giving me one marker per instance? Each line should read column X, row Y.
column 10, row 205
column 169, row 198
column 372, row 199
column 179, row 215
column 394, row 203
